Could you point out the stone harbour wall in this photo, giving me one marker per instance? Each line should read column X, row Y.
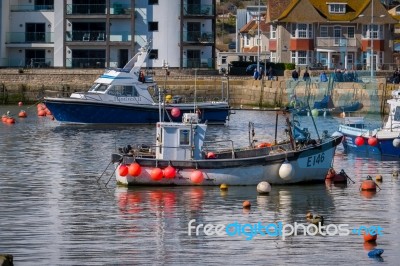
column 30, row 85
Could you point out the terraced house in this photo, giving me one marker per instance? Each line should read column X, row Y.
column 332, row 34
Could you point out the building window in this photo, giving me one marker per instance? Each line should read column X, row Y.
column 153, row 54
column 153, row 2
column 273, row 31
column 350, row 32
column 323, row 31
column 372, row 31
column 300, row 57
column 247, row 40
column 302, row 31
column 273, row 56
column 337, row 8
column 153, row 26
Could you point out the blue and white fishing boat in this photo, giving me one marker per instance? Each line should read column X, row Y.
column 120, row 97
column 182, row 156
column 383, row 141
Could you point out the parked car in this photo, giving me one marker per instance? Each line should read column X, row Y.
column 250, row 68
column 232, row 45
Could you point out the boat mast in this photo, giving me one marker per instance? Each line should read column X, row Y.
column 195, row 90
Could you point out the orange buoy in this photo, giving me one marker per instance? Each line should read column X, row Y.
column 170, row 172
column 372, row 141
column 156, row 174
column 47, row 111
column 4, row 118
column 134, row 169
column 368, row 185
column 10, row 120
column 123, row 170
column 40, row 106
column 41, row 112
column 370, row 238
column 197, row 177
column 22, row 113
column 264, row 145
column 331, row 173
column 211, row 155
column 359, row 141
column 246, row 204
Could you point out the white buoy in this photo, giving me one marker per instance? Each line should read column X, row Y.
column 286, row 171
column 263, row 187
column 396, row 143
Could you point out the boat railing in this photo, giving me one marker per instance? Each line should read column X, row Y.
column 89, row 96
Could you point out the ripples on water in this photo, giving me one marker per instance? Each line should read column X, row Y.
column 54, row 213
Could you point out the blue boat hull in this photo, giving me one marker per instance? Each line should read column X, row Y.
column 384, row 147
column 90, row 112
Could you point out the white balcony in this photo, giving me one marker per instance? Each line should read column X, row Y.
column 336, row 42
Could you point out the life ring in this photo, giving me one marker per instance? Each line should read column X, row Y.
column 264, row 145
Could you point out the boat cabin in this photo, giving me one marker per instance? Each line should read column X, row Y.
column 180, row 141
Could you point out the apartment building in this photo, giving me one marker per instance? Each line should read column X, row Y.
column 106, row 33
column 345, row 34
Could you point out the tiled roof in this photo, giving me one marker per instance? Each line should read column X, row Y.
column 318, row 11
column 252, row 25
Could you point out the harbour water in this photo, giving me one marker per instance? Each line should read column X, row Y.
column 54, row 212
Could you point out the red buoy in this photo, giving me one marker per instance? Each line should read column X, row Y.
column 20, row 104
column 372, row 141
column 10, row 120
column 359, row 141
column 123, row 170
column 331, row 173
column 370, row 238
column 156, row 174
column 169, row 172
column 175, row 112
column 197, row 177
column 211, row 155
column 22, row 113
column 368, row 185
column 41, row 112
column 134, row 169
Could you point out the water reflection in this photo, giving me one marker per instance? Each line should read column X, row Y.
column 53, row 212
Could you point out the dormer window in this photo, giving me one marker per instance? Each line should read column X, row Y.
column 337, row 8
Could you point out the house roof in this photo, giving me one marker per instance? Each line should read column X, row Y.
column 357, row 11
column 252, row 25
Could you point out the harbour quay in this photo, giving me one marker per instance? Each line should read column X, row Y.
column 31, row 85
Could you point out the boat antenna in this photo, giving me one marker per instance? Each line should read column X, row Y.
column 165, row 67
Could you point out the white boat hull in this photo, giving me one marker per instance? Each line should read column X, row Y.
column 309, row 165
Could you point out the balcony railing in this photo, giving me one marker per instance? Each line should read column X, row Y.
column 198, row 10
column 24, row 8
column 25, row 62
column 338, row 42
column 120, row 9
column 86, row 62
column 94, row 9
column 98, row 9
column 120, row 36
column 30, row 37
column 197, row 36
column 85, row 36
column 198, row 63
